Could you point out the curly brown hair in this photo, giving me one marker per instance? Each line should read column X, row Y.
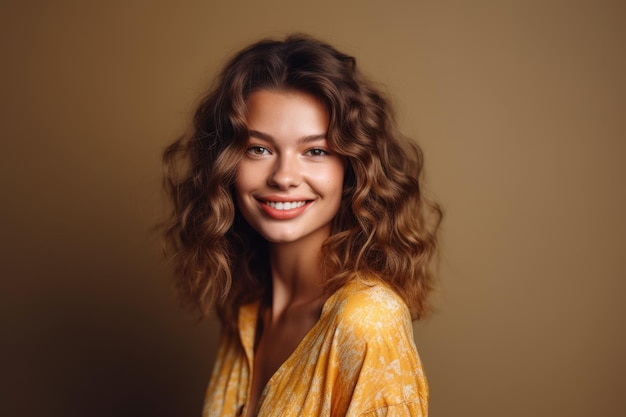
column 385, row 227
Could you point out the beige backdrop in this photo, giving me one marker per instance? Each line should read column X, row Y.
column 519, row 106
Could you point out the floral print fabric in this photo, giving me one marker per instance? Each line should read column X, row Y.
column 359, row 359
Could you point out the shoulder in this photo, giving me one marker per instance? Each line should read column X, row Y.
column 370, row 299
column 367, row 307
column 374, row 352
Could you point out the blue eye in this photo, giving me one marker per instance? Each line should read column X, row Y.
column 257, row 151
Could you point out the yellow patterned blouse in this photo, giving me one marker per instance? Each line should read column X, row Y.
column 359, row 359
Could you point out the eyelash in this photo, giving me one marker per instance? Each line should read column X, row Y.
column 316, row 152
column 253, row 150
column 261, row 151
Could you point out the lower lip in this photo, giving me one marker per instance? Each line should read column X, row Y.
column 283, row 214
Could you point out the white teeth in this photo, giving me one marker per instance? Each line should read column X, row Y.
column 288, row 205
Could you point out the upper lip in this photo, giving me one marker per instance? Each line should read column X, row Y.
column 283, row 199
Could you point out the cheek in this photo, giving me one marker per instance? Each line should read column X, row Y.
column 333, row 180
column 241, row 191
column 243, row 178
column 337, row 176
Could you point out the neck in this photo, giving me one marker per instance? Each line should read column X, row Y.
column 297, row 276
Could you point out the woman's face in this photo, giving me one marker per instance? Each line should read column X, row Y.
column 289, row 183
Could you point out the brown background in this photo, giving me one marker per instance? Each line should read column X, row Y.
column 519, row 106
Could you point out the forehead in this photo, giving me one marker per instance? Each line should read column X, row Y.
column 278, row 112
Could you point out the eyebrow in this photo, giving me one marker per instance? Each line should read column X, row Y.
column 269, row 138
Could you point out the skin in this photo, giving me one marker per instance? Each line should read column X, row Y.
column 288, row 164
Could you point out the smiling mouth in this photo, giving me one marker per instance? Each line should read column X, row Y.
column 285, row 205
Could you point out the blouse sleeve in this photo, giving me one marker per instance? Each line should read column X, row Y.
column 399, row 410
column 379, row 368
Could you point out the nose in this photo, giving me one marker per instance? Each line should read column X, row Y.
column 286, row 172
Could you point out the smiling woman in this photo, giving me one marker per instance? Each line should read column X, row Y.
column 298, row 218
column 289, row 184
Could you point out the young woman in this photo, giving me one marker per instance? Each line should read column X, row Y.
column 298, row 217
